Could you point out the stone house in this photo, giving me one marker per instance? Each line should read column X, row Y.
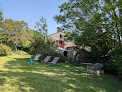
column 60, row 41
column 68, row 45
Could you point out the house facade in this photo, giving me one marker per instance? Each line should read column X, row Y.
column 60, row 42
column 69, row 45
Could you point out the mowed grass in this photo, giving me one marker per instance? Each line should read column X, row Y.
column 17, row 75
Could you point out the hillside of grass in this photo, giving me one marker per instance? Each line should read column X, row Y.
column 17, row 75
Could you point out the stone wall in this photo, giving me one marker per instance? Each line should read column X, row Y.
column 56, row 36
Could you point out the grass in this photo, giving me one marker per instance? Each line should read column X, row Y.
column 17, row 75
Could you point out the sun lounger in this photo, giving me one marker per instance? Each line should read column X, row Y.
column 46, row 59
column 35, row 58
column 55, row 60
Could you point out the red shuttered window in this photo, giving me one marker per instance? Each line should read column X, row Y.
column 57, row 42
column 63, row 44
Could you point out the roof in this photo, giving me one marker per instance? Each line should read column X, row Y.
column 56, row 33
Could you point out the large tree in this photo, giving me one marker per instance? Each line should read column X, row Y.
column 32, row 36
column 94, row 23
column 92, row 16
column 41, row 43
column 15, row 31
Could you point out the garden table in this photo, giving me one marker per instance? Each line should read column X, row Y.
column 90, row 68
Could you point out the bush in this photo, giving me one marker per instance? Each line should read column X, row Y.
column 57, row 54
column 5, row 50
column 45, row 47
column 42, row 46
column 114, row 65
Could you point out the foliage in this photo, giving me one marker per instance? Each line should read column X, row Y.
column 1, row 18
column 42, row 27
column 54, row 54
column 91, row 17
column 114, row 65
column 91, row 22
column 42, row 46
column 94, row 23
column 45, row 47
column 26, row 44
column 5, row 50
column 15, row 31
column 2, row 32
column 83, row 55
column 58, row 54
column 2, row 36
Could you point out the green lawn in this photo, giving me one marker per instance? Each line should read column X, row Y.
column 17, row 75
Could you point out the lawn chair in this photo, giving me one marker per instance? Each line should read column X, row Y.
column 55, row 60
column 35, row 58
column 32, row 62
column 46, row 59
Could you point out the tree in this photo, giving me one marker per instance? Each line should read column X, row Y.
column 2, row 36
column 15, row 31
column 98, row 24
column 93, row 23
column 1, row 18
column 32, row 36
column 41, row 43
column 92, row 16
column 2, row 32
column 42, row 27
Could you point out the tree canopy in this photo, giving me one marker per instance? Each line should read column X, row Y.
column 91, row 17
column 42, row 27
column 98, row 24
column 15, row 31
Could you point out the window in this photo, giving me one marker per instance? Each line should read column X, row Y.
column 61, row 36
column 60, row 43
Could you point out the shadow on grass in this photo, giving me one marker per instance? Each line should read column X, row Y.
column 19, row 75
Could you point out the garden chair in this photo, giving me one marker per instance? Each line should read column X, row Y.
column 46, row 59
column 35, row 58
column 54, row 60
column 32, row 62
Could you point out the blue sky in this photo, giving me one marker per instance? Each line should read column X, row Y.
column 31, row 11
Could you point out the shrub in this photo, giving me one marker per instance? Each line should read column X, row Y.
column 5, row 50
column 42, row 46
column 45, row 47
column 57, row 54
column 114, row 65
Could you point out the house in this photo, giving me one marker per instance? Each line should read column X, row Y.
column 60, row 41
column 69, row 45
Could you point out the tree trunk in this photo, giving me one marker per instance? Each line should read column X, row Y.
column 15, row 48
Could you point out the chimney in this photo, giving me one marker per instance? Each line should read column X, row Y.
column 58, row 29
